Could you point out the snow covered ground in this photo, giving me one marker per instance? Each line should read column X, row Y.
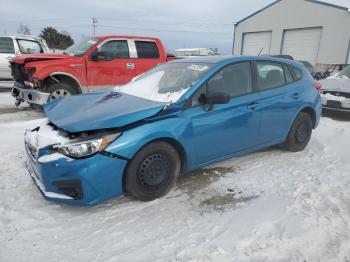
column 268, row 206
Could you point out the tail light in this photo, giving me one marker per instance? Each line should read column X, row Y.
column 318, row 86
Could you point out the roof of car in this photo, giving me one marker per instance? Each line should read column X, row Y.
column 30, row 37
column 216, row 59
column 126, row 36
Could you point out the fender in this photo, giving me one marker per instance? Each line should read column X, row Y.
column 316, row 108
column 73, row 68
column 132, row 140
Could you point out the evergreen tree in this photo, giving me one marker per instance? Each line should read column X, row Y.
column 56, row 39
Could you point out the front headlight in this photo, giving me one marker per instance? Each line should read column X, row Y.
column 80, row 149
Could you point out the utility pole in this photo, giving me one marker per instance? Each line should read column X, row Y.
column 94, row 24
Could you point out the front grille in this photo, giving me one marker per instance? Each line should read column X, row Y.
column 32, row 150
column 337, row 93
column 18, row 72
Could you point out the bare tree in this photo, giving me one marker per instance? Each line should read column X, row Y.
column 23, row 29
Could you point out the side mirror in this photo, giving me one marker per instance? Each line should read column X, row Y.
column 215, row 98
column 99, row 56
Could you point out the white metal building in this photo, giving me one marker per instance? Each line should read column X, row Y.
column 316, row 31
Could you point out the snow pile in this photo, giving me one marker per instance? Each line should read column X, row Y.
column 7, row 101
column 268, row 206
column 45, row 136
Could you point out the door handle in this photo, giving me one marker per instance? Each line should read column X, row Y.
column 130, row 66
column 296, row 96
column 252, row 106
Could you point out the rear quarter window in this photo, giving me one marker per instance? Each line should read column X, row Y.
column 146, row 49
column 296, row 73
column 6, row 45
column 269, row 74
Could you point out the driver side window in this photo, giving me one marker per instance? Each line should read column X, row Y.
column 116, row 49
column 235, row 80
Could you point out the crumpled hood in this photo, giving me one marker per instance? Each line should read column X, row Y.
column 99, row 110
column 337, row 84
column 22, row 59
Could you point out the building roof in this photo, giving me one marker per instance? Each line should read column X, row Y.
column 340, row 4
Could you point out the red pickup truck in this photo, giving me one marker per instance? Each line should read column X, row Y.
column 93, row 64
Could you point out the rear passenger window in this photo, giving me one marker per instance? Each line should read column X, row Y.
column 235, row 80
column 116, row 49
column 296, row 73
column 6, row 45
column 269, row 75
column 146, row 49
column 288, row 74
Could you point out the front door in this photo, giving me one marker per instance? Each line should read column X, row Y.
column 7, row 51
column 226, row 128
column 117, row 69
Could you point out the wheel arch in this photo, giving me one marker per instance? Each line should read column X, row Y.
column 311, row 112
column 63, row 78
column 174, row 143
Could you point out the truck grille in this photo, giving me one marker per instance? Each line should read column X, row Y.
column 337, row 93
column 32, row 150
column 18, row 72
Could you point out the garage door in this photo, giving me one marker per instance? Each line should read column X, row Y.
column 302, row 44
column 253, row 43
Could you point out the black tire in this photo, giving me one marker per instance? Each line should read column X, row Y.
column 152, row 172
column 300, row 133
column 60, row 88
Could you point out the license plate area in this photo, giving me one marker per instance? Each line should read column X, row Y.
column 334, row 104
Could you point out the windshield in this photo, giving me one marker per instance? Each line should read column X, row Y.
column 345, row 73
column 79, row 48
column 166, row 82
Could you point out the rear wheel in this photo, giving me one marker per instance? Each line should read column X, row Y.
column 59, row 90
column 300, row 133
column 153, row 171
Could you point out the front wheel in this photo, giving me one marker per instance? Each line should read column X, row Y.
column 300, row 133
column 59, row 90
column 153, row 171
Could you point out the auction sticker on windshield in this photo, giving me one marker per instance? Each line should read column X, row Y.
column 198, row 67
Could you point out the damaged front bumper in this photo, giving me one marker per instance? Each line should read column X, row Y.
column 24, row 93
column 77, row 182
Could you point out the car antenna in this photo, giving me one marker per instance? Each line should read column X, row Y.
column 260, row 51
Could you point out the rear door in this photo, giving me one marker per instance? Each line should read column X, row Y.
column 226, row 128
column 278, row 99
column 116, row 70
column 147, row 55
column 7, row 51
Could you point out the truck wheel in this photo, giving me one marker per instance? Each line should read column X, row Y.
column 59, row 90
column 300, row 133
column 153, row 171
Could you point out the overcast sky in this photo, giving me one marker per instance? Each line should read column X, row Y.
column 179, row 23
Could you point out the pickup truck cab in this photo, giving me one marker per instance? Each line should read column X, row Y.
column 92, row 64
column 11, row 46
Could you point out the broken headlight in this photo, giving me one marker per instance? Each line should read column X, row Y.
column 84, row 148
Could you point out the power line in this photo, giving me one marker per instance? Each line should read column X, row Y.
column 165, row 30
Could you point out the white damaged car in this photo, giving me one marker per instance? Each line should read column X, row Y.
column 335, row 92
